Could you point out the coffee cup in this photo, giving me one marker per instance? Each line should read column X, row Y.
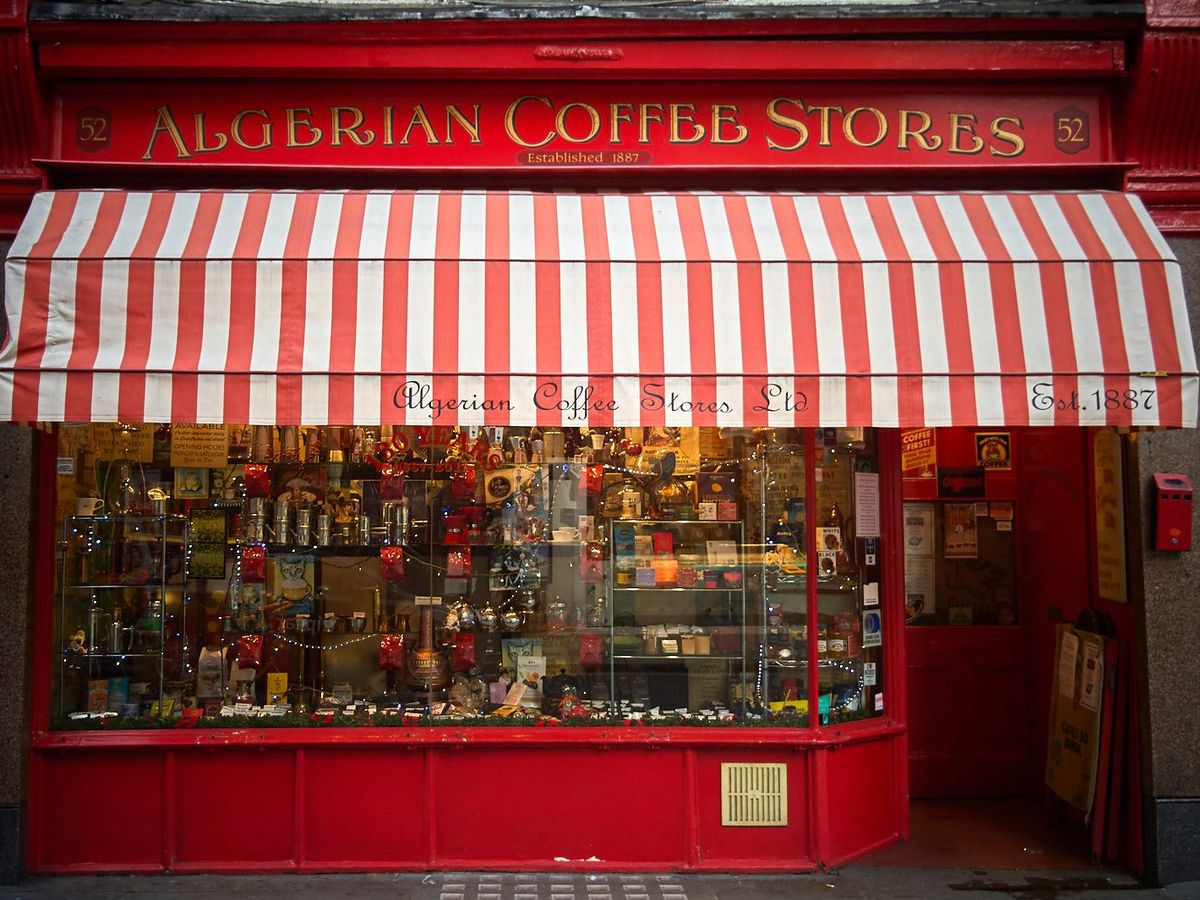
column 88, row 506
column 566, row 534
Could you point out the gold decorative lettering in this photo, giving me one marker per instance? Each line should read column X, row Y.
column 679, row 113
column 726, row 114
column 235, row 129
column 510, row 121
column 647, row 113
column 926, row 143
column 616, row 117
column 351, row 131
column 964, row 123
column 1011, row 137
column 788, row 122
column 296, row 117
column 418, row 118
column 880, row 124
column 202, row 145
column 164, row 123
column 560, row 122
column 389, row 119
column 826, row 118
column 470, row 126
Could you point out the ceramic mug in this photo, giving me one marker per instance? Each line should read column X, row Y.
column 88, row 506
column 566, row 534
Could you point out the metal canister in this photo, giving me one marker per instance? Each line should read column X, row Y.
column 256, row 527
column 387, row 513
column 256, row 507
column 401, row 534
column 324, row 529
column 364, row 530
column 304, row 527
column 283, row 520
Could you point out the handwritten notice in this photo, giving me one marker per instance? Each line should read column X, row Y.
column 866, row 504
column 199, row 446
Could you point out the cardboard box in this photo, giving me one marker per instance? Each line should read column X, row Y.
column 98, row 695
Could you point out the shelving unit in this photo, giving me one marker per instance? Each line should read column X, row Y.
column 664, row 605
column 121, row 582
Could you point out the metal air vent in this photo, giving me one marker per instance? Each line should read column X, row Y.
column 754, row 794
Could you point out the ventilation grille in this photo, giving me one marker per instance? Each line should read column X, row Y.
column 754, row 794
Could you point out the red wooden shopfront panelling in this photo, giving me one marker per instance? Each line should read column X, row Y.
column 719, row 846
column 101, row 810
column 247, row 827
column 345, row 787
column 331, row 801
column 857, row 792
column 621, row 806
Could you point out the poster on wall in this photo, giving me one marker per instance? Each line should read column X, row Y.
column 919, row 598
column 918, row 529
column 961, row 539
column 993, row 450
column 918, row 453
column 1109, row 525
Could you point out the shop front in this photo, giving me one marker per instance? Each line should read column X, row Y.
column 530, row 527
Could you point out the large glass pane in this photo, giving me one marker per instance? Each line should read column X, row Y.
column 846, row 521
column 307, row 574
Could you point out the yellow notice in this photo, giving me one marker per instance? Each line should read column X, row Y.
column 113, row 442
column 199, row 446
column 1110, row 516
column 918, row 453
column 1074, row 740
column 277, row 685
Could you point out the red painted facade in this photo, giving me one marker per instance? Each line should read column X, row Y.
column 89, row 113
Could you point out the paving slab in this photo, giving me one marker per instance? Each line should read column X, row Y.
column 850, row 883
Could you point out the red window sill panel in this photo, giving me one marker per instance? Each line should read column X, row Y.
column 474, row 736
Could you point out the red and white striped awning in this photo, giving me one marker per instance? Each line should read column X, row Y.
column 523, row 308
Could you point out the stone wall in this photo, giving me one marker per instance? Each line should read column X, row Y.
column 1171, row 622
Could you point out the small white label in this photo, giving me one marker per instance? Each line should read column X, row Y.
column 65, row 465
column 879, row 702
column 869, row 674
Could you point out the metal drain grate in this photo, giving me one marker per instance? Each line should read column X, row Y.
column 754, row 794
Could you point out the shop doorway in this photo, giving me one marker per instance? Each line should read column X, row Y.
column 1004, row 559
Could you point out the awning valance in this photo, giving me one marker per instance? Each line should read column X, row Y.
column 523, row 308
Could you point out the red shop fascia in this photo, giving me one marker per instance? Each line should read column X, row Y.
column 634, row 105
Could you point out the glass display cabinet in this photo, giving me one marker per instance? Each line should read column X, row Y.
column 666, row 574
column 124, row 647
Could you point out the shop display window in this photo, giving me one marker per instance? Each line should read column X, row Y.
column 210, row 575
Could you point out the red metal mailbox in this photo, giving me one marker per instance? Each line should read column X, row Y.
column 1173, row 512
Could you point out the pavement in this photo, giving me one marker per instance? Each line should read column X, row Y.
column 852, row 883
